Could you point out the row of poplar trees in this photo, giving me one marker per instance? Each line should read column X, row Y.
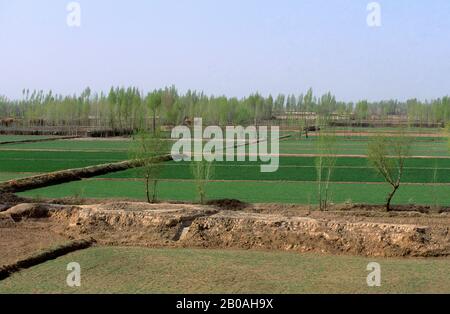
column 131, row 108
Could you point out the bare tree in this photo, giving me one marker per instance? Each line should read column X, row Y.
column 447, row 132
column 325, row 164
column 388, row 155
column 434, row 192
column 202, row 172
column 302, row 127
column 146, row 149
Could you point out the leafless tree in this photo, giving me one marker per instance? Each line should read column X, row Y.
column 387, row 154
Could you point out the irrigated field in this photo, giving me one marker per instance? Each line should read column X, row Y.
column 121, row 269
column 426, row 178
column 141, row 270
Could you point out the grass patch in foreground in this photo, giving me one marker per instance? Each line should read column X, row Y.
column 253, row 192
column 142, row 270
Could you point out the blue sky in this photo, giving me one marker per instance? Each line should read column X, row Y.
column 231, row 47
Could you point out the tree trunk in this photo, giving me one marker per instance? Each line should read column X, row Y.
column 389, row 199
column 147, row 190
column 155, row 182
column 319, row 182
column 154, row 121
column 202, row 198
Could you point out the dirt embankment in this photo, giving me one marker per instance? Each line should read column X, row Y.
column 357, row 232
column 305, row 234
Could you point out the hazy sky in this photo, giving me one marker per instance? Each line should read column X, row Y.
column 231, row 47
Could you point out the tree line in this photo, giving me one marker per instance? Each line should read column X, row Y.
column 130, row 108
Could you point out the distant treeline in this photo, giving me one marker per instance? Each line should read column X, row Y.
column 130, row 109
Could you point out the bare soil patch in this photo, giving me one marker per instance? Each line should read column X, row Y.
column 19, row 240
column 9, row 199
column 228, row 204
column 44, row 256
column 354, row 230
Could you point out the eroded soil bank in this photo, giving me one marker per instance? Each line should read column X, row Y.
column 24, row 228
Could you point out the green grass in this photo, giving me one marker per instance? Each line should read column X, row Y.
column 73, row 145
column 295, row 173
column 6, row 176
column 11, row 138
column 60, row 155
column 346, row 146
column 291, row 168
column 254, row 192
column 142, row 270
column 304, row 169
column 47, row 161
column 358, row 146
